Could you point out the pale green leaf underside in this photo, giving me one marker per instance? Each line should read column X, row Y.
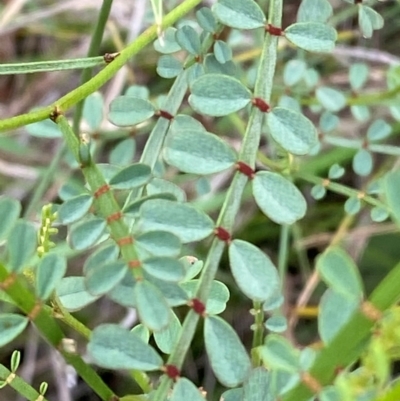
column 278, row 198
column 312, row 36
column 198, row 152
column 218, row 95
column 294, row 132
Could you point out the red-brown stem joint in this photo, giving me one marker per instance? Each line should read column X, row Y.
column 370, row 311
column 55, row 114
column 134, row 264
column 245, row 169
column 311, row 382
column 101, row 191
column 165, row 114
column 198, row 306
column 32, row 315
column 8, row 282
column 109, row 57
column 222, row 234
column 124, row 241
column 261, row 104
column 273, row 30
column 172, row 372
column 114, row 217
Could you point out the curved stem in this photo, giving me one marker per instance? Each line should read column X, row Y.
column 103, row 76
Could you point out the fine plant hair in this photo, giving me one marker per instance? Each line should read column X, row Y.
column 163, row 192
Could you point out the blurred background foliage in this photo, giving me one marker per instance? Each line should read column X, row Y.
column 46, row 30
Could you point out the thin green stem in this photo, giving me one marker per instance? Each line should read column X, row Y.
column 16, row 288
column 105, row 202
column 342, row 189
column 19, row 385
column 93, row 50
column 70, row 320
column 232, row 201
column 258, row 327
column 153, row 147
column 52, row 65
column 283, row 252
column 103, row 76
column 302, row 257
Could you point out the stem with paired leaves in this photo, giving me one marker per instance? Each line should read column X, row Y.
column 230, row 208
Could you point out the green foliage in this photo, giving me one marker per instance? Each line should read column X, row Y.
column 157, row 212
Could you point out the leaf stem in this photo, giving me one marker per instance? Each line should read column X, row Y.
column 106, row 204
column 232, row 201
column 343, row 190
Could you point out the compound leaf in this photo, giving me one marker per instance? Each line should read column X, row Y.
column 185, row 390
column 21, row 245
column 218, row 95
column 9, row 212
column 244, row 14
column 152, row 307
column 278, row 198
column 253, row 271
column 133, row 176
column 73, row 294
column 312, row 36
column 340, row 272
column 114, row 347
column 227, row 355
column 85, row 234
column 74, row 208
column 128, row 110
column 198, row 152
column 11, row 325
column 183, row 220
column 105, row 277
column 293, row 131
column 50, row 271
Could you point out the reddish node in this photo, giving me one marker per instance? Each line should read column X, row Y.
column 261, row 104
column 222, row 234
column 8, row 282
column 109, row 57
column 133, row 264
column 55, row 114
column 245, row 169
column 311, row 382
column 124, row 241
column 172, row 372
column 114, row 217
column 338, row 370
column 198, row 306
column 273, row 30
column 165, row 114
column 101, row 191
column 32, row 315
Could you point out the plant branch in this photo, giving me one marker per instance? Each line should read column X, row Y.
column 232, row 201
column 15, row 287
column 103, row 76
